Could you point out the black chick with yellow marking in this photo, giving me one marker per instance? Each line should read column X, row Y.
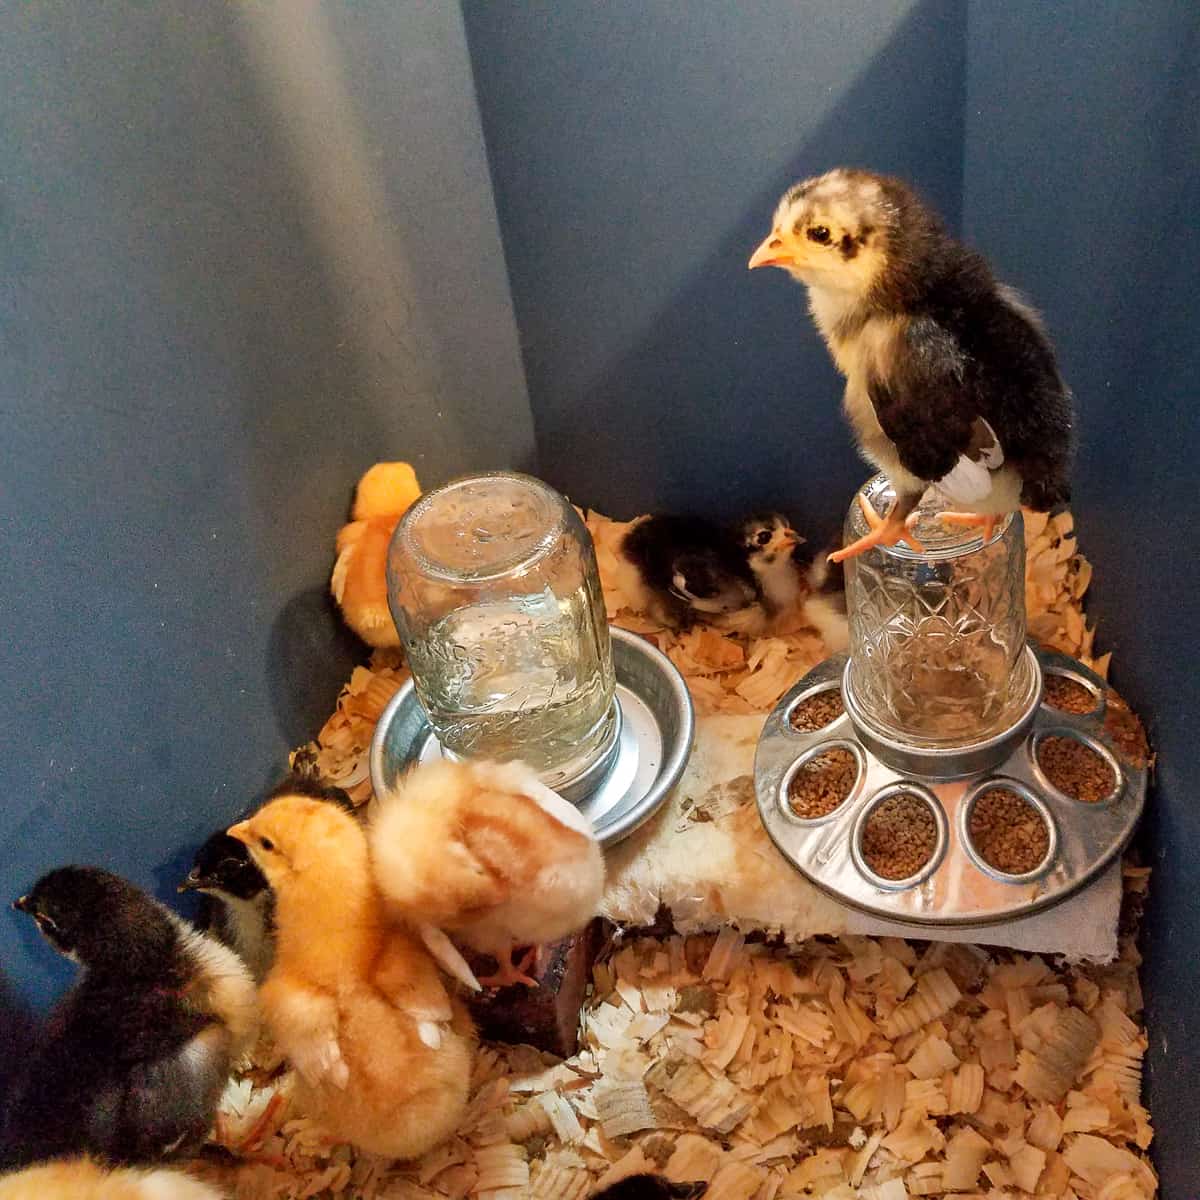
column 951, row 380
column 240, row 908
column 134, row 1058
column 690, row 567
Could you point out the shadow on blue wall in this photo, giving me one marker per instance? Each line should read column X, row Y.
column 718, row 395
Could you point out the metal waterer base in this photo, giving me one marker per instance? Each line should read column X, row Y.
column 956, row 887
column 657, row 726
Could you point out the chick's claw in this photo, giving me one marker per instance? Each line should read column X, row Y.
column 986, row 522
column 509, row 972
column 884, row 531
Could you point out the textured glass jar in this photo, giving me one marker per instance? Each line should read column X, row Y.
column 937, row 639
column 492, row 583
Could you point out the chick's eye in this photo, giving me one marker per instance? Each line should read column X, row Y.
column 266, row 843
column 819, row 234
column 763, row 537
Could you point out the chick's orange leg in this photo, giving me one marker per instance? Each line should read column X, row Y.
column 985, row 521
column 884, row 531
column 508, row 972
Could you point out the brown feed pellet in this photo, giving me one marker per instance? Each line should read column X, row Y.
column 1008, row 833
column 822, row 783
column 1075, row 769
column 899, row 837
column 1067, row 695
column 1126, row 730
column 817, row 711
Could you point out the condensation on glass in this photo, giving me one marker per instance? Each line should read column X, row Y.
column 493, row 586
column 937, row 639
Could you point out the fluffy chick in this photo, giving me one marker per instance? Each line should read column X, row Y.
column 772, row 554
column 489, row 852
column 134, row 1058
column 951, row 380
column 651, row 1187
column 359, row 581
column 382, row 1054
column 241, row 906
column 83, row 1179
column 241, row 912
column 689, row 567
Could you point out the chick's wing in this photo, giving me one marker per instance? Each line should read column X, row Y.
column 921, row 401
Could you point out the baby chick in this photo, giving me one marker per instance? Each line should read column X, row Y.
column 651, row 1187
column 689, row 566
column 382, row 1054
column 951, row 380
column 83, row 1179
column 134, row 1058
column 490, row 853
column 359, row 581
column 242, row 907
column 772, row 553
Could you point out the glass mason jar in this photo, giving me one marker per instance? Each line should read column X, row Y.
column 937, row 639
column 493, row 586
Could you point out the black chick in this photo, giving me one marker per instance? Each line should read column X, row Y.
column 134, row 1058
column 240, row 907
column 690, row 566
column 951, row 380
column 651, row 1187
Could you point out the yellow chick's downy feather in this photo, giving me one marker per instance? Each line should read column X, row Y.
column 382, row 1053
column 359, row 581
column 488, row 852
column 84, row 1179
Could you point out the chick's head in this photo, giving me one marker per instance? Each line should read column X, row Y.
column 100, row 920
column 833, row 231
column 223, row 865
column 297, row 835
column 768, row 537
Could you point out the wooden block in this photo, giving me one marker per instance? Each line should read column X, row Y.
column 547, row 1016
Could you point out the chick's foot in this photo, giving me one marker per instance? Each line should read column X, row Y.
column 509, row 972
column 985, row 521
column 885, row 531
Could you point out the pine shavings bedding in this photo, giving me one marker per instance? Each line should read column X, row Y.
column 868, row 1068
column 857, row 1067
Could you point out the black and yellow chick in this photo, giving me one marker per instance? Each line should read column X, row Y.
column 240, row 908
column 651, row 1187
column 690, row 567
column 134, row 1058
column 951, row 380
column 773, row 555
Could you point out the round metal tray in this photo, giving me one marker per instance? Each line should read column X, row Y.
column 961, row 889
column 657, row 728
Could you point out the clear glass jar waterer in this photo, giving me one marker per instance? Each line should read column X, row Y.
column 938, row 656
column 493, row 586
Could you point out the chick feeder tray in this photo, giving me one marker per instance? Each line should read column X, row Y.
column 944, row 702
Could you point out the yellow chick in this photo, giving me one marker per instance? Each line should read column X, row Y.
column 83, row 1179
column 382, row 1053
column 359, row 582
column 489, row 852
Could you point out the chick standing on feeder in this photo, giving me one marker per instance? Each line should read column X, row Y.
column 688, row 567
column 950, row 378
column 359, row 581
column 487, row 851
column 134, row 1058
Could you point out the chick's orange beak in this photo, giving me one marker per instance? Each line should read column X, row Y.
column 240, row 831
column 772, row 253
